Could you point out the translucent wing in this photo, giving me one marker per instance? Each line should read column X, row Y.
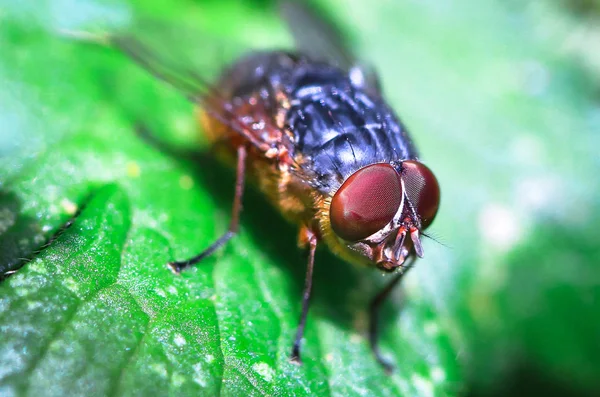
column 314, row 36
column 167, row 54
column 183, row 78
column 190, row 60
column 322, row 41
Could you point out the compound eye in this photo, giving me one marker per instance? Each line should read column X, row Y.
column 422, row 190
column 366, row 202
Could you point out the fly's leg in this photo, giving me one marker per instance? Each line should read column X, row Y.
column 374, row 309
column 177, row 267
column 310, row 238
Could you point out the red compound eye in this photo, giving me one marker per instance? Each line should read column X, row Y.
column 422, row 190
column 366, row 202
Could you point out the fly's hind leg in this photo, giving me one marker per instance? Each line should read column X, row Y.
column 178, row 266
column 308, row 237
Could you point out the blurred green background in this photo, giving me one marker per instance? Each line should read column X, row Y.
column 502, row 98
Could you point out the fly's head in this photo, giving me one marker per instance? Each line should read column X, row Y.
column 380, row 211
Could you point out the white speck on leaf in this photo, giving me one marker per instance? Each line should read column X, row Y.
column 264, row 370
column 20, row 291
column 159, row 369
column 32, row 305
column 172, row 290
column 199, row 376
column 438, row 375
column 38, row 267
column 424, row 386
column 71, row 284
column 177, row 379
column 179, row 340
column 68, row 206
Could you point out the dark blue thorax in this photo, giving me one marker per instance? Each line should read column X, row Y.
column 339, row 127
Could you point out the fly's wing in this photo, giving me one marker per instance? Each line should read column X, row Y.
column 164, row 65
column 314, row 36
column 191, row 61
column 322, row 41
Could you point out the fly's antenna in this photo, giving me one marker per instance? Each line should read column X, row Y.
column 436, row 239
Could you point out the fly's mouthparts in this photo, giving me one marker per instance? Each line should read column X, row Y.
column 390, row 255
column 414, row 236
column 399, row 244
column 381, row 259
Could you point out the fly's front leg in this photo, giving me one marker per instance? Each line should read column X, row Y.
column 307, row 237
column 374, row 309
column 178, row 266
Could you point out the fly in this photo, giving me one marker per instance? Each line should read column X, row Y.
column 314, row 131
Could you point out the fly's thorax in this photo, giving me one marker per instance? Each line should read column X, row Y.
column 340, row 126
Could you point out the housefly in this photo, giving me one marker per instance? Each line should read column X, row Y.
column 312, row 128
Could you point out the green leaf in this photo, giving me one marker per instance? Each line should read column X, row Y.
column 90, row 213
